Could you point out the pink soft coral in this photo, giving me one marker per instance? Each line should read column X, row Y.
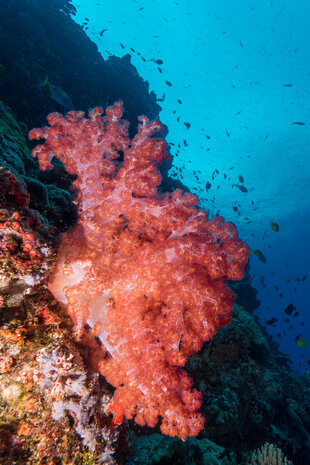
column 143, row 274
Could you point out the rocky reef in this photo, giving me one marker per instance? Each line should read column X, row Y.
column 52, row 405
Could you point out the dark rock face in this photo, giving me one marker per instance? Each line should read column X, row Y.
column 39, row 43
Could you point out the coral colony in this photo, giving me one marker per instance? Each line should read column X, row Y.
column 142, row 273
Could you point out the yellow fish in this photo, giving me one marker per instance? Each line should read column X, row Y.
column 301, row 342
column 274, row 226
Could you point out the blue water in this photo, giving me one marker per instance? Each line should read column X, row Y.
column 241, row 71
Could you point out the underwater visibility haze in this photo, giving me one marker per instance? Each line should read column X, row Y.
column 154, row 232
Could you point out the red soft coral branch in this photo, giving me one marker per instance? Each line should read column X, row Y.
column 144, row 273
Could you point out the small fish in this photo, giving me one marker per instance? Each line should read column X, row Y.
column 179, row 101
column 58, row 94
column 274, row 226
column 299, row 123
column 141, row 8
column 301, row 342
column 242, row 188
column 101, row 32
column 287, row 85
column 228, row 135
column 271, row 321
column 168, row 83
column 241, row 44
column 266, row 137
column 289, row 309
column 123, row 46
column 208, row 185
column 259, row 254
column 235, row 209
column 241, row 178
column 187, row 125
column 158, row 62
column 304, row 278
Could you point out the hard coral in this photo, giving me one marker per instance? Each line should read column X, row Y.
column 143, row 274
